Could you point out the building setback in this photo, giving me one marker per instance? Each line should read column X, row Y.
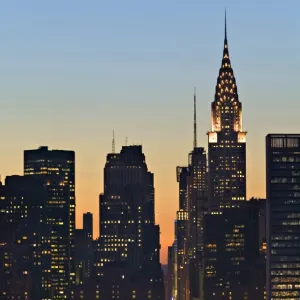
column 283, row 216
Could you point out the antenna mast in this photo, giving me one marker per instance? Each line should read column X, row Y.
column 195, row 120
column 113, row 143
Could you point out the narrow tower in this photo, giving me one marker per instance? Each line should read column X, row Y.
column 226, row 140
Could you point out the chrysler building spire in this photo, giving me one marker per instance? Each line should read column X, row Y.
column 227, row 140
column 225, row 27
column 226, row 108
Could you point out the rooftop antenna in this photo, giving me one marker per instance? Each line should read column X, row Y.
column 195, row 120
column 113, row 143
column 126, row 141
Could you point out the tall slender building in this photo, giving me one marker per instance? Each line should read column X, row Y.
column 283, row 216
column 182, row 259
column 57, row 169
column 226, row 140
column 88, row 231
column 188, row 242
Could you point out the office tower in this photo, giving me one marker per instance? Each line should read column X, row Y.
column 84, row 250
column 171, row 275
column 88, row 224
column 22, row 238
column 182, row 179
column 193, row 204
column 181, row 226
column 283, row 216
column 88, row 230
column 129, row 238
column 80, row 256
column 226, row 140
column 197, row 209
column 57, row 169
column 260, row 204
column 234, row 268
column 188, row 244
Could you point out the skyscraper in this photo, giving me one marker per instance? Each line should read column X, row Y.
column 22, row 238
column 88, row 224
column 234, row 268
column 226, row 140
column 171, row 285
column 88, row 231
column 188, row 244
column 182, row 259
column 129, row 237
column 283, row 216
column 84, row 254
column 57, row 169
column 233, row 263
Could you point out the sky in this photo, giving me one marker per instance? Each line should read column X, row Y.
column 71, row 72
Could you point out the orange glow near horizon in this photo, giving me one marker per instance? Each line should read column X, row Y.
column 166, row 193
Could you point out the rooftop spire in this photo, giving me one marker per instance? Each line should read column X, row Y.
column 195, row 120
column 225, row 50
column 225, row 27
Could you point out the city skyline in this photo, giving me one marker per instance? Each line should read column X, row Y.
column 85, row 138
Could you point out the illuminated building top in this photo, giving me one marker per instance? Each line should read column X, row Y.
column 227, row 140
column 226, row 108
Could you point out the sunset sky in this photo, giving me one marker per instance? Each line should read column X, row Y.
column 72, row 71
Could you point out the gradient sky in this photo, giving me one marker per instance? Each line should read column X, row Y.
column 72, row 71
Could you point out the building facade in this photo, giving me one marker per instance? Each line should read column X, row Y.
column 22, row 244
column 88, row 231
column 234, row 267
column 129, row 237
column 283, row 216
column 57, row 169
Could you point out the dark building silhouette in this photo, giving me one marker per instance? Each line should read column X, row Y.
column 88, row 224
column 234, row 267
column 57, row 169
column 226, row 141
column 84, row 254
column 129, row 238
column 170, row 278
column 88, row 229
column 188, row 243
column 22, row 238
column 283, row 216
column 181, row 251
column 80, row 256
column 197, row 209
column 260, row 204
